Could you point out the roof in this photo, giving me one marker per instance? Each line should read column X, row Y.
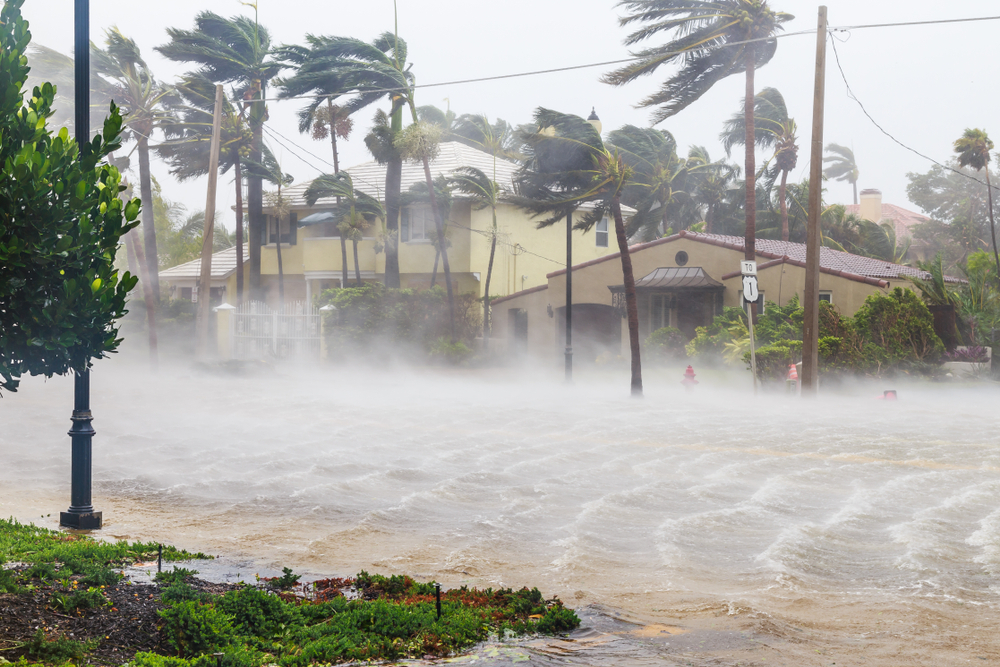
column 223, row 266
column 902, row 219
column 530, row 290
column 837, row 262
column 679, row 277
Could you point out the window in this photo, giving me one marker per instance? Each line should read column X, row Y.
column 761, row 303
column 826, row 296
column 681, row 258
column 289, row 229
column 601, row 235
column 659, row 311
column 417, row 223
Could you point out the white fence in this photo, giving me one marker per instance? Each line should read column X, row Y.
column 258, row 332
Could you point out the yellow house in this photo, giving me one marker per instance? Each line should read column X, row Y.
column 312, row 259
column 682, row 281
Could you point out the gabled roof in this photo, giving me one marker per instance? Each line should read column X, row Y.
column 675, row 277
column 836, row 262
column 223, row 266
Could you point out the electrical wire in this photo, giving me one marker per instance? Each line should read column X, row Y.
column 912, row 23
column 850, row 94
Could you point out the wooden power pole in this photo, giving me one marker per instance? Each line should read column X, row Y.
column 810, row 325
column 205, row 280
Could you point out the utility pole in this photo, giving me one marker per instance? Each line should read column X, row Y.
column 81, row 512
column 569, row 297
column 205, row 281
column 810, row 324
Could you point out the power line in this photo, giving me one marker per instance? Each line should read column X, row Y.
column 912, row 23
column 850, row 93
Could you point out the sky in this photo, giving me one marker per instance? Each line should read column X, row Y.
column 922, row 84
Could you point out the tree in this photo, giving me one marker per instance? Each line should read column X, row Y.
column 354, row 211
column 716, row 192
column 484, row 193
column 568, row 164
column 145, row 102
column 189, row 140
column 973, row 149
column 773, row 128
column 712, row 40
column 235, row 51
column 61, row 222
column 843, row 166
column 269, row 170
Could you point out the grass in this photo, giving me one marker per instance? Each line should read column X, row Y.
column 367, row 618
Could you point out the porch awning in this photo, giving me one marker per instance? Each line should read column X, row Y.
column 674, row 278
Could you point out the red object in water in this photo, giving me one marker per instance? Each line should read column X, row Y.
column 887, row 395
column 689, row 380
column 793, row 373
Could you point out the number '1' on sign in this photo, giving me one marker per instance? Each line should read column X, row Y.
column 750, row 292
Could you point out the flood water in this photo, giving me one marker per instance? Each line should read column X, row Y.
column 703, row 528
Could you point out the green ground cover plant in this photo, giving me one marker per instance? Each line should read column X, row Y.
column 181, row 621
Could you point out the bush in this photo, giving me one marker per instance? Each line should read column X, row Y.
column 773, row 360
column 256, row 613
column 191, row 628
column 665, row 344
column 443, row 351
column 58, row 650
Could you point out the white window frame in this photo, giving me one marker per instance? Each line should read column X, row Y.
column 828, row 294
column 601, row 234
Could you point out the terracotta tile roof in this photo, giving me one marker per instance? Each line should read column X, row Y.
column 223, row 265
column 902, row 219
column 530, row 290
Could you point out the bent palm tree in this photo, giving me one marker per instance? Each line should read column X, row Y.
column 354, row 211
column 773, row 128
column 843, row 166
column 568, row 164
column 712, row 40
column 237, row 51
column 973, row 149
column 485, row 193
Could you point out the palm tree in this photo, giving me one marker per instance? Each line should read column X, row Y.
column 354, row 212
column 146, row 103
column 568, row 164
column 236, row 51
column 843, row 166
column 485, row 193
column 714, row 190
column 773, row 128
column 189, row 141
column 712, row 40
column 268, row 169
column 973, row 149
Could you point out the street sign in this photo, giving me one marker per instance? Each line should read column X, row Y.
column 750, row 292
column 748, row 267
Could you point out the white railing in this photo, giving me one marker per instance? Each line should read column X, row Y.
column 292, row 331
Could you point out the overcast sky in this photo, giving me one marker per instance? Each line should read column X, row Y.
column 923, row 84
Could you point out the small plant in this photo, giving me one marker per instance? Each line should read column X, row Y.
column 180, row 591
column 177, row 575
column 8, row 582
column 285, row 581
column 444, row 351
column 973, row 354
column 666, row 343
column 86, row 599
column 59, row 650
column 191, row 628
column 43, row 571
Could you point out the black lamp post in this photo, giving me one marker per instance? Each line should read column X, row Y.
column 81, row 512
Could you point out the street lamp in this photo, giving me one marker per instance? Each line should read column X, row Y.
column 81, row 512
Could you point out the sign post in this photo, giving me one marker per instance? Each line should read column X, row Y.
column 750, row 294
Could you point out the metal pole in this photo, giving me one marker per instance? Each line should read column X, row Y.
column 810, row 324
column 569, row 297
column 81, row 513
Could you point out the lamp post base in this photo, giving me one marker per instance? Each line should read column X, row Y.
column 80, row 520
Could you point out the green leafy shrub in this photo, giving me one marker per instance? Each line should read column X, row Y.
column 191, row 628
column 443, row 351
column 558, row 619
column 285, row 581
column 773, row 360
column 180, row 591
column 176, row 575
column 8, row 581
column 256, row 613
column 43, row 571
column 58, row 650
column 664, row 344
column 83, row 599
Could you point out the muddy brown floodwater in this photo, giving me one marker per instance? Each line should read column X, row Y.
column 709, row 528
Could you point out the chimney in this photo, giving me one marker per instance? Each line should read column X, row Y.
column 871, row 205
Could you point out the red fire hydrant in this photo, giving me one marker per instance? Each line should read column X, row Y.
column 689, row 382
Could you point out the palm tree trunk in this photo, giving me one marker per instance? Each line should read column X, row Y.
column 343, row 258
column 854, row 184
column 238, row 169
column 434, row 273
column 147, row 294
column 784, row 205
column 486, row 286
column 333, row 136
column 255, row 192
column 281, row 273
column 393, row 177
column 750, row 166
column 439, row 225
column 709, row 218
column 357, row 266
column 993, row 229
column 148, row 225
column 631, row 307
